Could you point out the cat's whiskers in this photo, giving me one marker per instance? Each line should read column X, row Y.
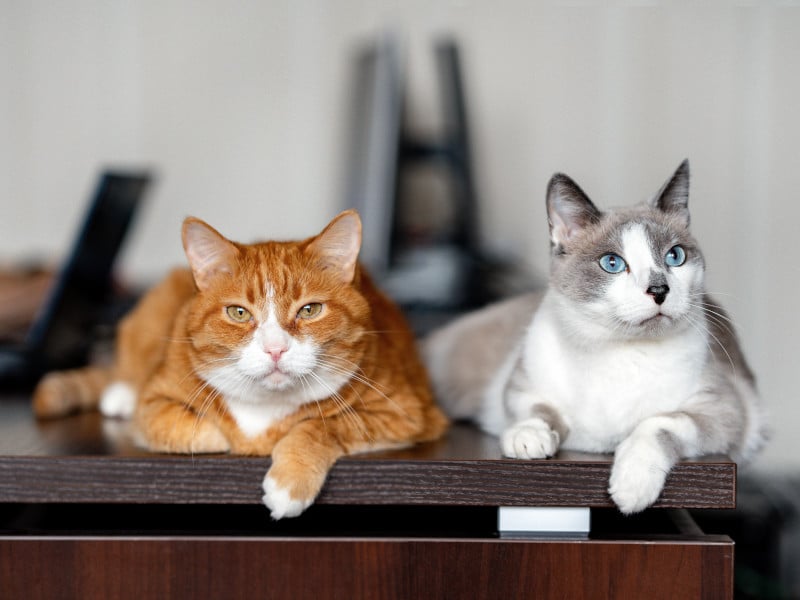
column 624, row 326
column 198, row 389
column 359, row 376
column 191, row 372
column 304, row 382
column 380, row 331
column 720, row 318
column 702, row 328
column 715, row 317
column 352, row 376
column 355, row 372
column 705, row 296
column 348, row 369
column 201, row 411
column 208, row 399
column 208, row 382
column 347, row 410
column 334, row 395
column 706, row 293
column 202, row 367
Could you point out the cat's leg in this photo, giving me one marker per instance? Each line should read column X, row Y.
column 141, row 343
column 164, row 424
column 538, row 427
column 537, row 436
column 643, row 460
column 302, row 458
column 300, row 463
column 60, row 393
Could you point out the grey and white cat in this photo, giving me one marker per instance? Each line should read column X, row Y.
column 625, row 352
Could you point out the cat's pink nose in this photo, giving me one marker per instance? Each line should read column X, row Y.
column 276, row 352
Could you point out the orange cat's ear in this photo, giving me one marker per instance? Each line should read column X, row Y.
column 338, row 245
column 209, row 253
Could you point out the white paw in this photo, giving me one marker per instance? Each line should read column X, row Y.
column 531, row 438
column 279, row 502
column 638, row 474
column 118, row 400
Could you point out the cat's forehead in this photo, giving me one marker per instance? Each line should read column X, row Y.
column 273, row 270
column 616, row 225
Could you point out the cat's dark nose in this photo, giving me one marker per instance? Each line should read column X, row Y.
column 659, row 293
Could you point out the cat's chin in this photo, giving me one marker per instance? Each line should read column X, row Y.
column 659, row 320
column 277, row 381
column 654, row 326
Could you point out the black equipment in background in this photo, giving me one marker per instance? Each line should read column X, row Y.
column 439, row 269
column 61, row 334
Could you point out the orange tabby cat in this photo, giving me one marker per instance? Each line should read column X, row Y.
column 278, row 348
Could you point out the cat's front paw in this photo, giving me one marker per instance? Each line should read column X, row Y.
column 118, row 400
column 280, row 501
column 638, row 474
column 531, row 438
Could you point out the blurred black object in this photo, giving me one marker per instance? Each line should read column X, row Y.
column 432, row 269
column 61, row 334
column 766, row 529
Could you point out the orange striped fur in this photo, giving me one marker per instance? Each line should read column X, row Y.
column 278, row 348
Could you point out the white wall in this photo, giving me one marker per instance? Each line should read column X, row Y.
column 241, row 107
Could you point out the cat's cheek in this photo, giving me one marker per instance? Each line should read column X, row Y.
column 687, row 286
column 279, row 500
column 252, row 361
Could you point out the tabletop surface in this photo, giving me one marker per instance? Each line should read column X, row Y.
column 90, row 459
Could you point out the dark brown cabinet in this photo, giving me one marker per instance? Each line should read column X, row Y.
column 87, row 514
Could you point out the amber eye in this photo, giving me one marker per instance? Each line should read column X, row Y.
column 239, row 314
column 309, row 311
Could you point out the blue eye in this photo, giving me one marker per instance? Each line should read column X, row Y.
column 612, row 263
column 675, row 257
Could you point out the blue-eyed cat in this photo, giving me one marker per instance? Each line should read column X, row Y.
column 625, row 352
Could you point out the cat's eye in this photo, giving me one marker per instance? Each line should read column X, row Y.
column 675, row 257
column 310, row 310
column 613, row 263
column 238, row 314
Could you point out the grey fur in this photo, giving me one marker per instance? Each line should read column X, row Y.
column 552, row 417
column 497, row 329
column 721, row 415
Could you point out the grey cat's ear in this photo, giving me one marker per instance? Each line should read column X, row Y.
column 338, row 245
column 209, row 253
column 568, row 209
column 673, row 197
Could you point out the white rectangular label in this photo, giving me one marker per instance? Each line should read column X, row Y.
column 545, row 520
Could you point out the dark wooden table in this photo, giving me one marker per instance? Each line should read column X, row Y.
column 85, row 513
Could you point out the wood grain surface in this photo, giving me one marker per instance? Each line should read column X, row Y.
column 318, row 569
column 86, row 458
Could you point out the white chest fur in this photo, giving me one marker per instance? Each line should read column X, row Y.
column 254, row 419
column 604, row 391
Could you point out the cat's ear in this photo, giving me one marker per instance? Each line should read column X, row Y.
column 338, row 245
column 209, row 253
column 568, row 209
column 673, row 197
